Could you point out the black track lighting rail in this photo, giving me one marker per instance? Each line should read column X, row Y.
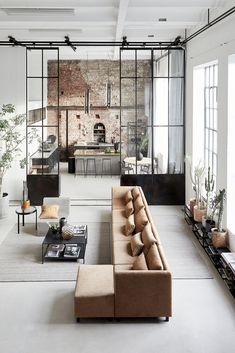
column 210, row 24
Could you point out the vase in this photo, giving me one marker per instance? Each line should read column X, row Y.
column 198, row 213
column 139, row 156
column 25, row 204
column 192, row 203
column 219, row 239
column 62, row 223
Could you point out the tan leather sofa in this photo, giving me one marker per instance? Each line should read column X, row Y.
column 133, row 293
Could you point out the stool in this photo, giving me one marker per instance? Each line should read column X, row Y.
column 91, row 164
column 106, row 162
column 94, row 292
column 80, row 166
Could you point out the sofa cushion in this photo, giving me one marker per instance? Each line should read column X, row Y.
column 148, row 237
column 130, row 225
column 153, row 258
column 49, row 211
column 136, row 244
column 141, row 220
column 122, row 254
column 135, row 192
column 128, row 196
column 138, row 204
column 119, row 232
column 140, row 263
column 129, row 209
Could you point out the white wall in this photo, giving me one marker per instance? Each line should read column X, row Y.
column 217, row 43
column 12, row 90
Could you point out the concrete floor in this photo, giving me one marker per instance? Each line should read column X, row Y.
column 38, row 317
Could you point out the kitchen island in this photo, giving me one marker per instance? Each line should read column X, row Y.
column 99, row 157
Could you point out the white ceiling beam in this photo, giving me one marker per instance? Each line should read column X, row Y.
column 174, row 3
column 122, row 12
column 161, row 25
column 54, row 24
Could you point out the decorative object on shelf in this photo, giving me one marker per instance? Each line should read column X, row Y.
column 67, row 232
column 116, row 146
column 219, row 235
column 62, row 223
column 25, row 203
column 54, row 226
column 11, row 138
column 139, row 155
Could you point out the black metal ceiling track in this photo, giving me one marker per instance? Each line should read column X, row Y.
column 210, row 24
column 35, row 44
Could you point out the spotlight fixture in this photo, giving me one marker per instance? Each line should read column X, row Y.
column 70, row 44
column 177, row 41
column 124, row 41
column 15, row 42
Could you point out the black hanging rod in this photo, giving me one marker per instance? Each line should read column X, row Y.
column 210, row 24
column 86, row 44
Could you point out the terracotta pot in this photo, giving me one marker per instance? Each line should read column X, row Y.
column 198, row 213
column 192, row 203
column 25, row 204
column 219, row 239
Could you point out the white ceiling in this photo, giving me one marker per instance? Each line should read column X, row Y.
column 104, row 20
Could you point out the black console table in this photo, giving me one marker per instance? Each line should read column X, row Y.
column 204, row 238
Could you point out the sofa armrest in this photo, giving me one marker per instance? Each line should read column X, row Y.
column 143, row 293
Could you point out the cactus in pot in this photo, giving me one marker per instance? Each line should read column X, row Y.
column 207, row 220
column 219, row 235
column 199, row 208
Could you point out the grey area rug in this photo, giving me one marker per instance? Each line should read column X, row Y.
column 20, row 255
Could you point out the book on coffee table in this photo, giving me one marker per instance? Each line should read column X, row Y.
column 54, row 250
column 72, row 251
column 79, row 229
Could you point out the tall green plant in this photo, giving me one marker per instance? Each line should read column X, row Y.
column 209, row 187
column 218, row 207
column 12, row 135
column 196, row 177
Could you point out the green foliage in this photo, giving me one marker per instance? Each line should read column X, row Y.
column 218, row 207
column 209, row 187
column 11, row 137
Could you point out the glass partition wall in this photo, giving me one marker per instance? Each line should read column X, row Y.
column 42, row 128
column 152, row 115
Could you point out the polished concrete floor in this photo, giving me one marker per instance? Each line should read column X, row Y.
column 38, row 316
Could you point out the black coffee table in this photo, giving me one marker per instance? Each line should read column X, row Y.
column 55, row 239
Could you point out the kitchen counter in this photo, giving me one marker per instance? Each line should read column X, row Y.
column 80, row 153
column 93, row 146
column 98, row 156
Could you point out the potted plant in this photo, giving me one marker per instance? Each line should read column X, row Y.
column 12, row 135
column 207, row 220
column 219, row 235
column 199, row 208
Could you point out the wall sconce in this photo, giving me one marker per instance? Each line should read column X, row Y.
column 108, row 92
column 87, row 101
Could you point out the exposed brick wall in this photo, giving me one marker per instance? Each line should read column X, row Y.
column 78, row 75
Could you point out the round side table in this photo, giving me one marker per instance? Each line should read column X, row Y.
column 25, row 212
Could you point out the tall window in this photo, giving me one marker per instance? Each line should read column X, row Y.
column 210, row 117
